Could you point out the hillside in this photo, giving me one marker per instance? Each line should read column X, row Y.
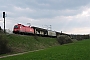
column 22, row 43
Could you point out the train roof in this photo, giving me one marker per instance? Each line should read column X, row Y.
column 22, row 25
column 38, row 28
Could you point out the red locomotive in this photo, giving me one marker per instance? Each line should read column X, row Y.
column 21, row 29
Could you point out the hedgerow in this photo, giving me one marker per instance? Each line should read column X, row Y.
column 64, row 39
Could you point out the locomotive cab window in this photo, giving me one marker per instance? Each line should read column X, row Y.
column 16, row 26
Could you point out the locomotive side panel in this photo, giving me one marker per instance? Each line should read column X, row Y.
column 22, row 28
column 29, row 30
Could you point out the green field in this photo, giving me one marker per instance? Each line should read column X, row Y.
column 74, row 51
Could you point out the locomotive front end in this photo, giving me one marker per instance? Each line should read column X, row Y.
column 16, row 29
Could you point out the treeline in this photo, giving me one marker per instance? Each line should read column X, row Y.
column 79, row 37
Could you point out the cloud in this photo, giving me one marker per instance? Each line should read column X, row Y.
column 59, row 23
column 62, row 15
column 84, row 30
column 19, row 9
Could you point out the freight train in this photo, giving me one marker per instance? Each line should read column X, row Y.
column 22, row 29
column 32, row 30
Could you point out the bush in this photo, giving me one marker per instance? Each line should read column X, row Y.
column 3, row 45
column 64, row 39
column 1, row 31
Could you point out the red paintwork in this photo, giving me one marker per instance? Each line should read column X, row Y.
column 23, row 29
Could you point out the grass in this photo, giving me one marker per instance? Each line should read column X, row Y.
column 74, row 51
column 28, row 43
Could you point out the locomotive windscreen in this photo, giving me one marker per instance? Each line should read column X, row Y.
column 15, row 26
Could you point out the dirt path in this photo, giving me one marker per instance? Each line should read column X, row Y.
column 19, row 53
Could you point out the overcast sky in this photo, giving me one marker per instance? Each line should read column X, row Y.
column 68, row 16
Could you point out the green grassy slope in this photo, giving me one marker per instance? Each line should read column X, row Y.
column 21, row 43
column 74, row 51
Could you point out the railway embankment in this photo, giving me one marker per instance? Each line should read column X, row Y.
column 23, row 43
